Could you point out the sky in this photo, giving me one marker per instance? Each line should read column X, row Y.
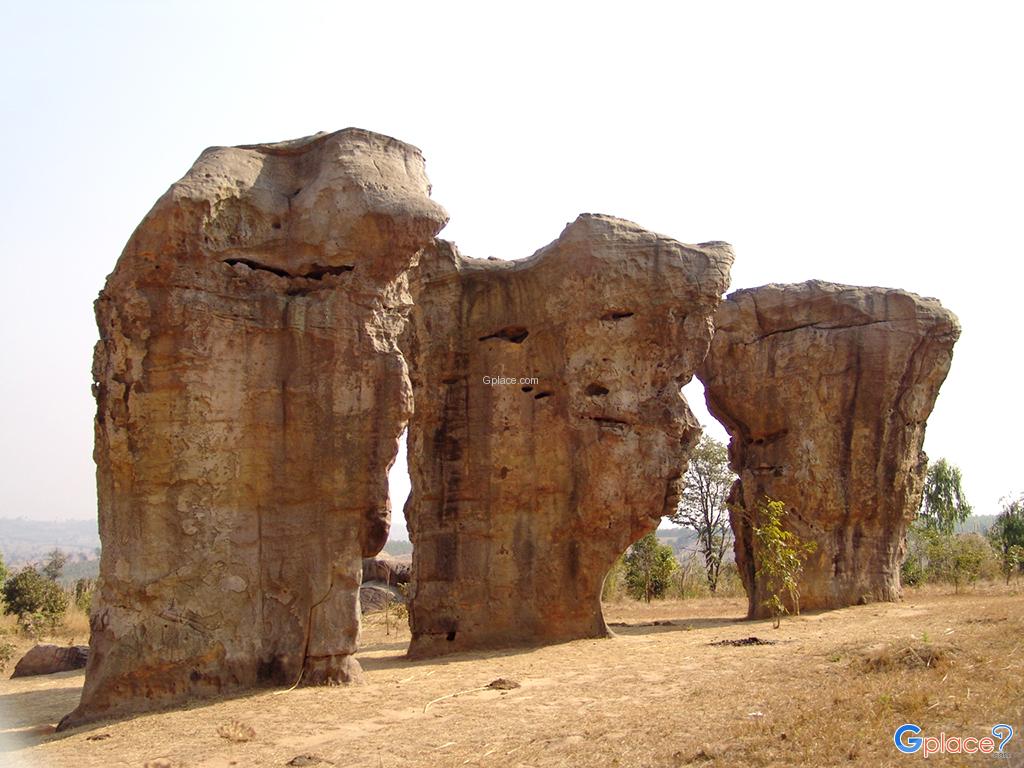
column 874, row 143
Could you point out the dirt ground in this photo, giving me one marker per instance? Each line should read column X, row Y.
column 831, row 690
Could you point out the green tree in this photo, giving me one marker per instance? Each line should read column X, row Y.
column 3, row 570
column 54, row 566
column 1007, row 536
column 649, row 568
column 33, row 598
column 944, row 503
column 702, row 505
column 781, row 555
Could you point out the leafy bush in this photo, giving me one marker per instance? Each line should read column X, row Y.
column 7, row 651
column 34, row 599
column 781, row 555
column 649, row 568
column 912, row 571
column 957, row 559
column 84, row 589
column 1007, row 537
column 960, row 559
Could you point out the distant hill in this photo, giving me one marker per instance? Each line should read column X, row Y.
column 24, row 541
column 398, row 548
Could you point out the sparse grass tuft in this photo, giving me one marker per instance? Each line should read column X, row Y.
column 237, row 731
column 919, row 655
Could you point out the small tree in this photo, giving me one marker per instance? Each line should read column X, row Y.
column 34, row 599
column 3, row 571
column 702, row 505
column 944, row 503
column 957, row 560
column 1007, row 536
column 781, row 555
column 54, row 566
column 649, row 568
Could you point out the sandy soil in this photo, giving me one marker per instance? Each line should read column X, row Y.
column 655, row 695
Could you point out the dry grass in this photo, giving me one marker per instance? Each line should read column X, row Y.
column 657, row 695
column 237, row 731
column 74, row 630
column 913, row 655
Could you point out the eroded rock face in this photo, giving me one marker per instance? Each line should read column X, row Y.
column 825, row 390
column 549, row 431
column 250, row 396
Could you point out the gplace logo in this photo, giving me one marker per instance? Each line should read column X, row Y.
column 908, row 741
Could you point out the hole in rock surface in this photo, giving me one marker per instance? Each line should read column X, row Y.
column 318, row 272
column 617, row 314
column 256, row 265
column 515, row 334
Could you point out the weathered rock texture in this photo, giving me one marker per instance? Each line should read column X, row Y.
column 250, row 396
column 825, row 390
column 45, row 659
column 525, row 491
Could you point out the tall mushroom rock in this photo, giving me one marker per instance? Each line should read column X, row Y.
column 825, row 390
column 250, row 395
column 550, row 431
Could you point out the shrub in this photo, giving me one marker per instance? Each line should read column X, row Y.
column 781, row 555
column 84, row 589
column 649, row 568
column 34, row 599
column 1007, row 537
column 7, row 652
column 936, row 557
column 960, row 559
column 914, row 569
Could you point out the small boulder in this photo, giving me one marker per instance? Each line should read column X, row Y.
column 386, row 569
column 45, row 659
column 375, row 596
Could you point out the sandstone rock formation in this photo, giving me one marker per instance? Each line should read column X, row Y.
column 45, row 659
column 549, row 430
column 825, row 390
column 250, row 396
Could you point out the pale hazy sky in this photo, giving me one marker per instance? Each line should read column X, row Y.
column 874, row 143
